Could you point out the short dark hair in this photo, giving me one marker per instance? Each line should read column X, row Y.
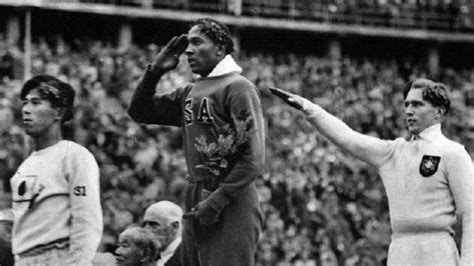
column 434, row 92
column 57, row 92
column 217, row 32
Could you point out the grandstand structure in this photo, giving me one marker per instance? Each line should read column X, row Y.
column 330, row 15
column 435, row 28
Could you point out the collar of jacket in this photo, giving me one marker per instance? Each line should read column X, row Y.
column 430, row 133
column 225, row 66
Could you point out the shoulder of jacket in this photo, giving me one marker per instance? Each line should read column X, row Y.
column 453, row 147
column 242, row 84
column 77, row 150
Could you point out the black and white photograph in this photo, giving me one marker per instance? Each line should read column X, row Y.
column 236, row 132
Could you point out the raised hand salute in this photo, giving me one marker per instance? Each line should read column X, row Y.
column 223, row 217
column 168, row 58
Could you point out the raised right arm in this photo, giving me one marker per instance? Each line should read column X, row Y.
column 366, row 148
column 148, row 108
column 142, row 106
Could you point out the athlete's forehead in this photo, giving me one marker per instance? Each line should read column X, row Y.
column 196, row 32
column 35, row 94
column 414, row 94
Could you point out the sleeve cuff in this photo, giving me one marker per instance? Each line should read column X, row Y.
column 149, row 68
column 218, row 201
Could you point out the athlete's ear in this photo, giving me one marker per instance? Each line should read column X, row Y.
column 440, row 112
column 60, row 112
column 220, row 51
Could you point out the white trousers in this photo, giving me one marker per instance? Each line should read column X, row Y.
column 423, row 249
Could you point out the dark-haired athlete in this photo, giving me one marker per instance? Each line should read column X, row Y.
column 428, row 178
column 56, row 202
column 224, row 143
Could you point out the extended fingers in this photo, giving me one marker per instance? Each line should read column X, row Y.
column 190, row 214
column 280, row 93
column 171, row 43
column 181, row 43
column 290, row 98
column 177, row 45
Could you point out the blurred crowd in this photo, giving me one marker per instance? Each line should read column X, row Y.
column 321, row 206
column 433, row 14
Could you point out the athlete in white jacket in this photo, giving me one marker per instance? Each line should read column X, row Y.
column 56, row 203
column 429, row 179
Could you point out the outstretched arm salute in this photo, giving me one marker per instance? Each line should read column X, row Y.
column 428, row 179
column 367, row 148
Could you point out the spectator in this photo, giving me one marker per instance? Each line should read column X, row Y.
column 6, row 62
column 164, row 219
column 136, row 247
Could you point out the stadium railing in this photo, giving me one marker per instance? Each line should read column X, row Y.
column 437, row 17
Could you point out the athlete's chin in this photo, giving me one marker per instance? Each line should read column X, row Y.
column 30, row 132
column 413, row 130
column 195, row 70
column 194, row 67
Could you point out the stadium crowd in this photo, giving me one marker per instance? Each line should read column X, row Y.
column 320, row 205
column 458, row 13
column 433, row 14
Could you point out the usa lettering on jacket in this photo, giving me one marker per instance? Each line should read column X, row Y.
column 203, row 115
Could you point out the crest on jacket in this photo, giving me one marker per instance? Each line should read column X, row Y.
column 429, row 165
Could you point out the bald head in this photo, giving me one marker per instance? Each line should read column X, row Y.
column 164, row 220
column 166, row 210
